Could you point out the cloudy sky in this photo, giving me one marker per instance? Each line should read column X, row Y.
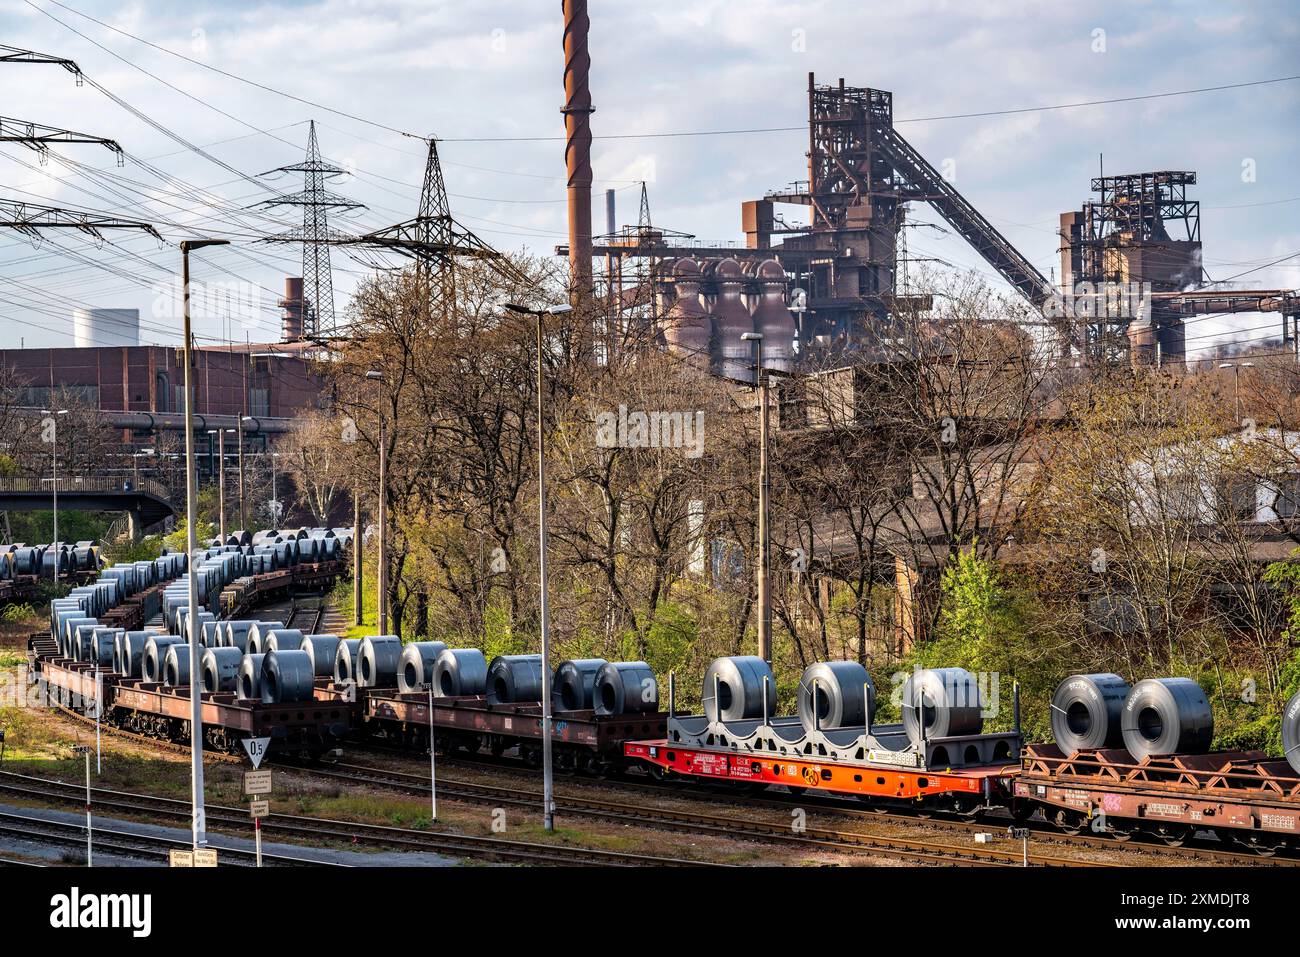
column 486, row 78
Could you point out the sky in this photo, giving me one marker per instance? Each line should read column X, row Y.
column 486, row 78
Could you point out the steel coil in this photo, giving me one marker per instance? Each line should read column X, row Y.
column 1167, row 716
column 625, row 687
column 236, row 635
column 946, row 702
column 378, row 658
column 83, row 639
column 250, row 678
column 733, row 688
column 416, row 668
column 459, row 672
column 1291, row 732
column 574, row 685
column 176, row 665
column 130, row 653
column 287, row 676
column 1086, row 712
column 70, row 626
column 221, row 669
column 345, row 661
column 514, row 678
column 324, row 650
column 258, row 634
column 103, row 642
column 155, row 649
column 283, row 639
column 835, row 694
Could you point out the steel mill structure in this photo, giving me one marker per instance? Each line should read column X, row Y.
column 840, row 269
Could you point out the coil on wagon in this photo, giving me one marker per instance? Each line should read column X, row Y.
column 1291, row 731
column 459, row 671
column 625, row 687
column 941, row 703
column 1087, row 711
column 377, row 661
column 835, row 694
column 1167, row 716
column 323, row 650
column 574, row 688
column 733, row 688
column 514, row 678
column 345, row 661
column 415, row 671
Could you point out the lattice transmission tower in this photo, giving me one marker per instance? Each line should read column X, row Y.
column 315, row 235
column 435, row 240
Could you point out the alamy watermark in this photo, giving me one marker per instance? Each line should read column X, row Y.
column 1101, row 300
column 231, row 300
column 651, row 430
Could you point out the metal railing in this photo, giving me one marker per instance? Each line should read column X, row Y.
column 77, row 484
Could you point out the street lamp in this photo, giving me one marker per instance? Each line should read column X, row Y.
column 381, row 612
column 764, row 596
column 243, row 522
column 1236, row 368
column 548, row 787
column 54, row 468
column 192, row 544
column 221, row 478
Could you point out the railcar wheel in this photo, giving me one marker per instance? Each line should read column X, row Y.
column 1070, row 822
column 1263, row 845
column 1172, row 835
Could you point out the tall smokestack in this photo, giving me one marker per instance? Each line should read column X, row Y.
column 577, row 144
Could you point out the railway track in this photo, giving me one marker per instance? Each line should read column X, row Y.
column 171, row 746
column 348, row 832
column 1042, row 830
column 306, row 618
column 109, row 840
column 814, row 838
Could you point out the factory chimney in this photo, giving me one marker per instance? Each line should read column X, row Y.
column 577, row 145
column 291, row 320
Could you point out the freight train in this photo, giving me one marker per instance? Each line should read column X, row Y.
column 1126, row 760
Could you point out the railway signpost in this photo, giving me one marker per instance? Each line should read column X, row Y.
column 433, row 769
column 84, row 750
column 180, row 859
column 257, row 784
column 256, row 749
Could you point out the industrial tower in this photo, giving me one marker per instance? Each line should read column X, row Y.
column 315, row 235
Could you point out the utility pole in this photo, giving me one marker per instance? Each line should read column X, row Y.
column 54, row 470
column 374, row 375
column 764, row 533
column 357, row 591
column 243, row 521
column 192, row 544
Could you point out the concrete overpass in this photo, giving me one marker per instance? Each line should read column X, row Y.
column 145, row 501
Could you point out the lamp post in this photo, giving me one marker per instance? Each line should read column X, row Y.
column 548, row 784
column 764, row 596
column 191, row 518
column 221, row 479
column 1236, row 368
column 54, row 468
column 381, row 614
column 274, row 504
column 243, row 521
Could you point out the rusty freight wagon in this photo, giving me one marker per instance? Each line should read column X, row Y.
column 1239, row 796
column 582, row 740
column 306, row 728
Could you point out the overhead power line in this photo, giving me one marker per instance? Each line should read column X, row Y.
column 661, row 135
